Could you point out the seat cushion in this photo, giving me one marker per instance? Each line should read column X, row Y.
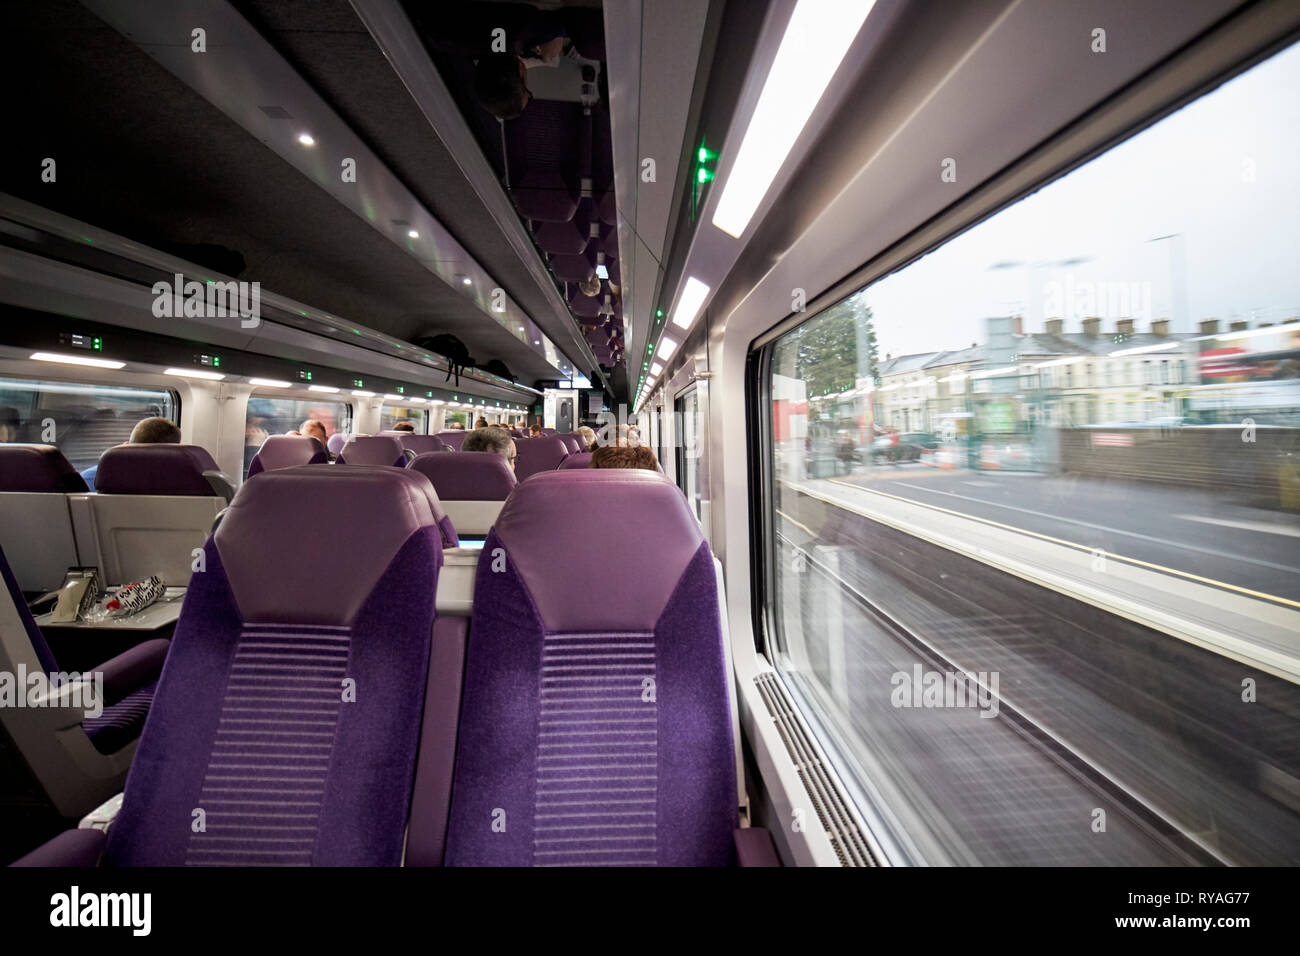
column 122, row 722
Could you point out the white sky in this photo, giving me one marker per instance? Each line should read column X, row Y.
column 1237, row 243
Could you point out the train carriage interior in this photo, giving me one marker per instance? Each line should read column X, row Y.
column 688, row 433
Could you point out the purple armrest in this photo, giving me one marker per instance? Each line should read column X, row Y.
column 133, row 668
column 754, row 847
column 80, row 848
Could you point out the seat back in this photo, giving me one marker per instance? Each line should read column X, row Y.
column 372, row 450
column 471, row 486
column 35, row 525
column 160, row 469
column 452, row 439
column 538, row 454
column 572, row 443
column 289, row 710
column 420, row 444
column 581, row 459
column 602, row 728
column 285, row 451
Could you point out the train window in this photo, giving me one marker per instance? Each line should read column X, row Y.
column 688, row 448
column 1040, row 599
column 464, row 419
column 390, row 415
column 81, row 420
column 277, row 416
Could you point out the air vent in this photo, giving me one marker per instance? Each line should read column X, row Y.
column 836, row 818
column 276, row 112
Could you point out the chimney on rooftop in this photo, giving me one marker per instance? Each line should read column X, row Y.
column 1160, row 327
column 1017, row 325
column 1092, row 327
column 1209, row 327
column 1054, row 326
column 1124, row 327
column 1238, row 326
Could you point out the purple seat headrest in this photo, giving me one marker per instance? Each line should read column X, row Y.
column 37, row 468
column 155, row 470
column 466, row 475
column 336, row 531
column 552, row 513
column 452, row 439
column 373, row 450
column 580, row 459
column 538, row 455
column 336, row 442
column 417, row 443
column 285, row 451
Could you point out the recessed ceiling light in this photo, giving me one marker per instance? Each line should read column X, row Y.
column 394, row 398
column 688, row 306
column 330, row 389
column 195, row 373
column 656, row 368
column 76, row 360
column 269, row 383
column 362, row 393
column 666, row 348
column 306, row 139
column 466, row 280
column 413, row 233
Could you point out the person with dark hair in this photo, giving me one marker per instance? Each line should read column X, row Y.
column 404, row 427
column 624, row 456
column 150, row 431
column 491, row 439
column 481, row 423
column 9, row 423
column 534, row 430
column 501, row 86
column 458, row 426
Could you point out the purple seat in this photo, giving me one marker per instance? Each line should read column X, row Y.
column 601, row 728
column 158, row 470
column 549, row 431
column 466, row 475
column 562, row 238
column 38, row 468
column 372, row 450
column 420, row 444
column 336, row 442
column 452, row 438
column 573, row 443
column 580, row 459
column 285, row 451
column 538, row 454
column 290, row 710
column 74, row 778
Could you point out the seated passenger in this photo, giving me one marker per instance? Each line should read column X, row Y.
column 457, row 426
column 588, row 437
column 150, row 431
column 534, row 430
column 404, row 427
column 633, row 436
column 481, row 423
column 616, row 456
column 491, row 439
column 315, row 428
column 9, row 424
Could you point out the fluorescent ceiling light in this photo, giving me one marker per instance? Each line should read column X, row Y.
column 436, row 401
column 306, row 139
column 656, row 368
column 413, row 233
column 416, row 398
column 666, row 348
column 322, row 388
column 466, row 280
column 269, row 383
column 362, row 393
column 195, row 373
column 394, row 398
column 688, row 306
column 1143, row 349
column 76, row 360
column 816, row 38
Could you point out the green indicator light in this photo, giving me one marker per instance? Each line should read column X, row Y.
column 659, row 313
column 705, row 175
column 401, row 390
column 309, row 376
column 356, row 331
column 97, row 345
column 428, row 394
column 216, row 361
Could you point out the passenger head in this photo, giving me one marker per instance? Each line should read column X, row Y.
column 458, row 426
column 587, row 436
column 535, row 430
column 314, row 428
column 491, row 439
column 155, row 431
column 589, row 286
column 9, row 423
column 481, row 423
column 404, row 427
column 633, row 435
column 499, row 84
column 623, row 456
